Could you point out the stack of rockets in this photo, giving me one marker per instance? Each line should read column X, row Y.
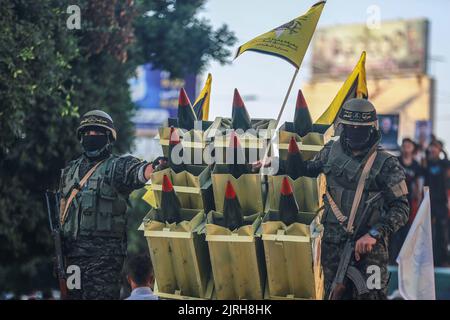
column 236, row 208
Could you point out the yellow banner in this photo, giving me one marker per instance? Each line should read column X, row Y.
column 201, row 104
column 355, row 86
column 289, row 41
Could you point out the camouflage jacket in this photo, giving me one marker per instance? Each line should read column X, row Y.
column 390, row 179
column 127, row 175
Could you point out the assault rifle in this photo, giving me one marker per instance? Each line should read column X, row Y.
column 346, row 269
column 52, row 199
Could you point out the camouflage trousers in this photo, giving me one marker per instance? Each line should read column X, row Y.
column 378, row 259
column 100, row 277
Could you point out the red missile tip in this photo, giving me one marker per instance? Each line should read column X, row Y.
column 286, row 188
column 229, row 192
column 234, row 140
column 183, row 99
column 301, row 102
column 237, row 100
column 174, row 138
column 293, row 146
column 167, row 184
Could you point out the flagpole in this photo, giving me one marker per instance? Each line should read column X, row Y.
column 287, row 96
column 266, row 153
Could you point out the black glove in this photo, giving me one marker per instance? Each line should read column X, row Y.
column 157, row 161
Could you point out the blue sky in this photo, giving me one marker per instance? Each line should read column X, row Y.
column 268, row 78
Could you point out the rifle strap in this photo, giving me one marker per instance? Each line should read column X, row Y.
column 75, row 191
column 335, row 209
column 356, row 200
column 359, row 190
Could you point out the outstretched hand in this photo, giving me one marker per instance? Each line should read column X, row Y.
column 156, row 165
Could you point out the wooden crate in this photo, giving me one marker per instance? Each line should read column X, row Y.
column 309, row 145
column 253, row 141
column 237, row 260
column 180, row 256
column 320, row 289
column 307, row 191
column 193, row 186
column 221, row 125
column 248, row 189
column 193, row 140
column 292, row 256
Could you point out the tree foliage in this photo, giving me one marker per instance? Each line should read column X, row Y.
column 49, row 75
column 170, row 34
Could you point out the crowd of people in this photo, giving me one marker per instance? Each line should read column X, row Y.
column 426, row 165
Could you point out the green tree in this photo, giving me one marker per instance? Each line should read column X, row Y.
column 49, row 75
column 171, row 36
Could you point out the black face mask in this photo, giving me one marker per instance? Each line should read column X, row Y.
column 357, row 137
column 94, row 145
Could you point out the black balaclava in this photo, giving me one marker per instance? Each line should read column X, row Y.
column 96, row 146
column 358, row 137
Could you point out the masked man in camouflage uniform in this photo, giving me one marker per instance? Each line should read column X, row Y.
column 342, row 162
column 93, row 214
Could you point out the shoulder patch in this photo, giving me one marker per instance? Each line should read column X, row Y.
column 400, row 189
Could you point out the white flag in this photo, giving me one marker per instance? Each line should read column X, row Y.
column 415, row 260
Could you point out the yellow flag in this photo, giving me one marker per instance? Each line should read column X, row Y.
column 354, row 87
column 149, row 196
column 290, row 40
column 201, row 104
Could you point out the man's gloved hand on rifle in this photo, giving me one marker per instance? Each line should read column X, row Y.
column 364, row 245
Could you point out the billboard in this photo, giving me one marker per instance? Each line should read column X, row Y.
column 155, row 95
column 409, row 97
column 395, row 47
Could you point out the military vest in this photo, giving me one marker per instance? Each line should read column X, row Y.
column 98, row 209
column 342, row 173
